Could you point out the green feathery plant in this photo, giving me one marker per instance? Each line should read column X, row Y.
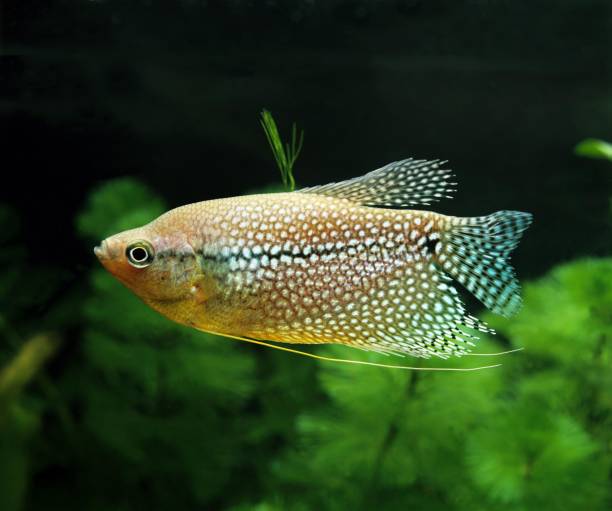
column 284, row 154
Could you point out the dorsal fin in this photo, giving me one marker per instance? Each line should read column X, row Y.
column 399, row 184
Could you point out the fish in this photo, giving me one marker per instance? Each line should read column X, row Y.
column 347, row 263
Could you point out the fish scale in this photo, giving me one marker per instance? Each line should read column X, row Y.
column 334, row 264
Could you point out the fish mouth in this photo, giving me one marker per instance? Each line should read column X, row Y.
column 101, row 251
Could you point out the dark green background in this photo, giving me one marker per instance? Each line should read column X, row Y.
column 169, row 93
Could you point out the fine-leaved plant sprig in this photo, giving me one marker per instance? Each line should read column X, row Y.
column 284, row 154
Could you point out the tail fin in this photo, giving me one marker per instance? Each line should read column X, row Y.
column 476, row 254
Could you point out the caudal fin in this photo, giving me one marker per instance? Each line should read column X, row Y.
column 477, row 252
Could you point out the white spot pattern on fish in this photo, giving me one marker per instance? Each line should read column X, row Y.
column 331, row 264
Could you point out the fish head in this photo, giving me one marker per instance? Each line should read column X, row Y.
column 162, row 269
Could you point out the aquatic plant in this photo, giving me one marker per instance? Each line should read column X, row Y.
column 21, row 359
column 285, row 155
column 155, row 394
column 145, row 413
column 531, row 435
column 594, row 148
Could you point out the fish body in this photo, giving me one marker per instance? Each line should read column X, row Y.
column 330, row 264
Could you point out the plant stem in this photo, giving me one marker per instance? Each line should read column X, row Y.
column 391, row 434
column 24, row 367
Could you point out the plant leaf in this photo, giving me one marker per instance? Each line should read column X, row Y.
column 594, row 148
column 284, row 154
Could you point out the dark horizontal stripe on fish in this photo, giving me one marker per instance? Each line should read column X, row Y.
column 181, row 256
column 428, row 247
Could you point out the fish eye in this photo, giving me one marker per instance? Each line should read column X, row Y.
column 140, row 254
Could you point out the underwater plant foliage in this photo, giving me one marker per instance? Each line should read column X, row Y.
column 144, row 413
column 156, row 383
column 19, row 415
column 104, row 405
column 533, row 434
